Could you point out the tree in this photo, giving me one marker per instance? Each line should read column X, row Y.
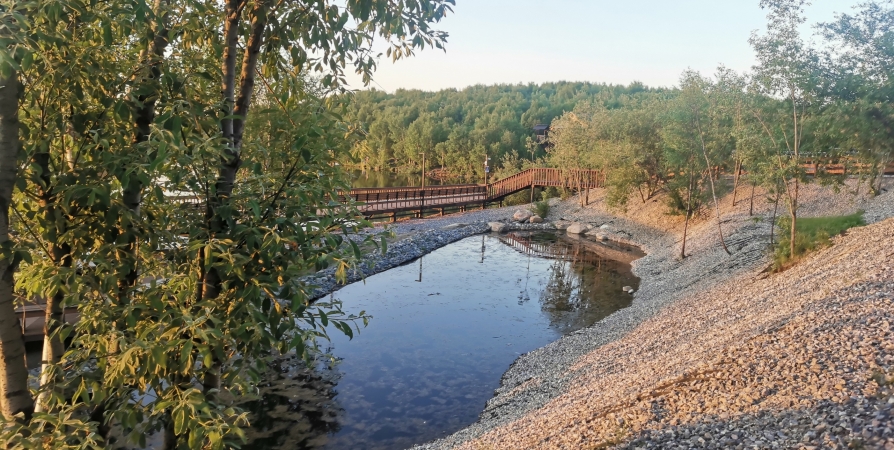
column 786, row 67
column 701, row 124
column 170, row 296
column 858, row 86
column 15, row 400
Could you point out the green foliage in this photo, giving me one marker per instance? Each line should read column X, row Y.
column 456, row 129
column 812, row 233
column 541, row 208
column 124, row 211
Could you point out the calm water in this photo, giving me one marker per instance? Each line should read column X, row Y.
column 444, row 330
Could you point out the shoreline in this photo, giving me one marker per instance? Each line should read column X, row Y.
column 551, row 397
column 536, row 381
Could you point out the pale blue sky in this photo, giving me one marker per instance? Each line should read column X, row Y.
column 653, row 41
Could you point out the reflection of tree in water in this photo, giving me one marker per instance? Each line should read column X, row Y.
column 582, row 287
column 297, row 408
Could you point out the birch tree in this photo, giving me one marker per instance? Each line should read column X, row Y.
column 785, row 70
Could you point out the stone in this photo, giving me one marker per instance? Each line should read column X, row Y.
column 626, row 288
column 535, row 219
column 522, row 215
column 606, row 227
column 562, row 225
column 577, row 228
column 599, row 236
column 454, row 226
column 496, row 227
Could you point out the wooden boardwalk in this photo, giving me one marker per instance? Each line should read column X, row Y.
column 390, row 201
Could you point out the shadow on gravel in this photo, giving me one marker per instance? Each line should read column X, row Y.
column 857, row 423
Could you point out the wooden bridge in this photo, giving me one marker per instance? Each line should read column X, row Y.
column 391, row 201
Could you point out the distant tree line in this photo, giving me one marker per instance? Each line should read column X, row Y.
column 456, row 129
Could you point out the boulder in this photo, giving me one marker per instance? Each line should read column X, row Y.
column 535, row 219
column 496, row 227
column 562, row 225
column 577, row 228
column 522, row 215
column 454, row 226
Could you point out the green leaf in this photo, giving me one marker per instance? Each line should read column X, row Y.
column 107, row 34
column 180, row 421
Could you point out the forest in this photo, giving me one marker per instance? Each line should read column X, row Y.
column 456, row 129
column 167, row 170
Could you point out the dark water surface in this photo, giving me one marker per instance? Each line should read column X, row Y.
column 444, row 330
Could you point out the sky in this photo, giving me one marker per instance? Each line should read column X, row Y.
column 608, row 41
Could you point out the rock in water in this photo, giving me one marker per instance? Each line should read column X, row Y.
column 577, row 228
column 496, row 227
column 535, row 219
column 522, row 215
column 626, row 288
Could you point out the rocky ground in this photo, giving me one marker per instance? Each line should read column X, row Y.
column 715, row 352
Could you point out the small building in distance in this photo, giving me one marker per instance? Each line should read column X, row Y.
column 541, row 131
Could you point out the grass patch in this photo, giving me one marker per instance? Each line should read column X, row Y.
column 811, row 233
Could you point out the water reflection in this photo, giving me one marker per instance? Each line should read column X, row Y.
column 584, row 280
column 370, row 179
column 444, row 330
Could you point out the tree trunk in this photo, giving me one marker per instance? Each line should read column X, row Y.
column 14, row 395
column 60, row 255
column 688, row 214
column 793, row 209
column 233, row 130
column 53, row 345
column 716, row 203
column 793, row 195
column 751, row 202
column 144, row 117
column 773, row 219
column 736, row 181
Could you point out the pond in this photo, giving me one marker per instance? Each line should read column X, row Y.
column 444, row 330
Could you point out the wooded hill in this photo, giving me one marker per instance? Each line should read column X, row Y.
column 457, row 128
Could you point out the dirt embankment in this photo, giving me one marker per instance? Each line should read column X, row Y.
column 715, row 352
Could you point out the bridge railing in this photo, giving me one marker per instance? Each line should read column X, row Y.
column 574, row 178
column 416, row 198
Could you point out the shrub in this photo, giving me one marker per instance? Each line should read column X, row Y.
column 540, row 208
column 811, row 233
